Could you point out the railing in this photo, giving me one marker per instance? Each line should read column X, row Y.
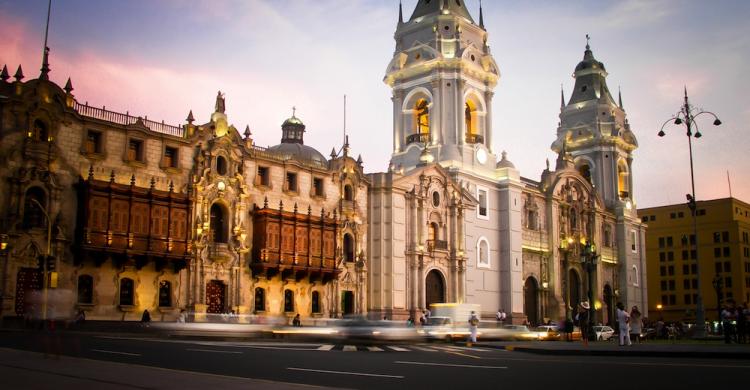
column 419, row 137
column 437, row 244
column 127, row 119
column 474, row 139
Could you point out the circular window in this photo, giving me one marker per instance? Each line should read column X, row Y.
column 436, row 199
column 446, row 28
column 221, row 165
column 472, row 57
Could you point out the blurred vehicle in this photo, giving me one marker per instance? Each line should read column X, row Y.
column 546, row 332
column 366, row 330
column 603, row 332
column 520, row 332
column 443, row 328
column 575, row 335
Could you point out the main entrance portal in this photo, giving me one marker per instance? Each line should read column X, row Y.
column 215, row 295
column 434, row 288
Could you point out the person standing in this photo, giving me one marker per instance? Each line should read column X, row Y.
column 473, row 324
column 623, row 319
column 636, row 324
column 583, row 321
column 145, row 318
column 296, row 321
column 726, row 323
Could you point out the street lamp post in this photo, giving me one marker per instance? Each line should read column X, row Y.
column 718, row 284
column 588, row 259
column 686, row 116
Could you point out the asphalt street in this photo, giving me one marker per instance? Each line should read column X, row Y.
column 380, row 366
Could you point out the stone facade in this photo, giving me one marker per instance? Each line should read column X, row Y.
column 140, row 215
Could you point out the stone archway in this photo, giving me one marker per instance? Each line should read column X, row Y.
column 531, row 301
column 574, row 288
column 434, row 288
column 609, row 302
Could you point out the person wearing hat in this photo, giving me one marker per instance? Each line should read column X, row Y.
column 583, row 321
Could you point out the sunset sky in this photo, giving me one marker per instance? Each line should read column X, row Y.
column 162, row 58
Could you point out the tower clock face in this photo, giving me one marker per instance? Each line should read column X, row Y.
column 481, row 156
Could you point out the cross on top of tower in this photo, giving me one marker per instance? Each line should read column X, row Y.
column 294, row 111
column 587, row 42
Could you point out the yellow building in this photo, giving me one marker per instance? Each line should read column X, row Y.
column 722, row 250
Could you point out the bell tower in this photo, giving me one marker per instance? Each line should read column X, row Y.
column 442, row 76
column 595, row 132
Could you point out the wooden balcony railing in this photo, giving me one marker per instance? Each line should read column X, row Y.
column 419, row 137
column 474, row 139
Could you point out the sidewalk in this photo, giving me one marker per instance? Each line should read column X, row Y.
column 659, row 348
column 32, row 370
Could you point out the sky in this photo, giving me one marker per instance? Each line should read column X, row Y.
column 163, row 58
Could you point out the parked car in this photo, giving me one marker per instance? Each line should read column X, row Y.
column 603, row 332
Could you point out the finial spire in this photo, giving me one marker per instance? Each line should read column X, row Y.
column 400, row 13
column 19, row 73
column 619, row 97
column 190, row 118
column 294, row 112
column 220, row 102
column 562, row 96
column 4, row 75
column 481, row 15
column 588, row 47
column 68, row 86
column 247, row 132
column 45, row 54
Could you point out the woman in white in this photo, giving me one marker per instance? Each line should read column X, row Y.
column 623, row 318
column 473, row 323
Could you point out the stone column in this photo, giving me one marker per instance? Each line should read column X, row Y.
column 398, row 122
column 436, row 135
column 488, row 120
column 413, row 284
column 420, row 279
column 459, row 111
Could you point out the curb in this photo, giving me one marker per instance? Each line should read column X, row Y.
column 621, row 353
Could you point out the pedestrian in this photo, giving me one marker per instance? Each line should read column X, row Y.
column 145, row 318
column 726, row 323
column 296, row 321
column 636, row 324
column 182, row 318
column 423, row 320
column 741, row 321
column 473, row 324
column 499, row 316
column 427, row 313
column 80, row 318
column 410, row 321
column 583, row 321
column 623, row 319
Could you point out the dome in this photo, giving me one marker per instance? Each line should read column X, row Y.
column 297, row 151
column 589, row 62
column 504, row 162
column 293, row 121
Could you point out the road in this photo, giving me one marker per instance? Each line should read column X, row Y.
column 382, row 366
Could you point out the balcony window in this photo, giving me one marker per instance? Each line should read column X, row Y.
column 170, row 157
column 263, row 178
column 318, row 186
column 291, row 182
column 135, row 150
column 93, row 143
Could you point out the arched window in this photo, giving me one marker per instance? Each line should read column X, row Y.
column 39, row 131
column 165, row 294
column 288, row 301
column 127, row 294
column 622, row 180
column 585, row 171
column 471, row 123
column 635, row 280
column 434, row 231
column 422, row 117
column 260, row 299
column 315, row 302
column 221, row 165
column 348, row 193
column 34, row 207
column 219, row 223
column 85, row 289
column 348, row 248
column 483, row 253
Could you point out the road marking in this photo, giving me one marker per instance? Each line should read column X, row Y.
column 327, row 347
column 116, row 352
column 350, row 348
column 398, row 349
column 470, row 349
column 605, row 362
column 463, row 354
column 346, row 373
column 375, row 349
column 425, row 349
column 449, row 365
column 212, row 350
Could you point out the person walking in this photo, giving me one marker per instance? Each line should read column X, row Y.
column 145, row 318
column 296, row 321
column 636, row 324
column 726, row 323
column 583, row 321
column 473, row 324
column 623, row 319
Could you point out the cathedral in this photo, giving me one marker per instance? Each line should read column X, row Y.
column 113, row 214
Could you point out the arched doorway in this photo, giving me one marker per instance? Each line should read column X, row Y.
column 347, row 302
column 215, row 296
column 609, row 301
column 434, row 288
column 531, row 301
column 574, row 283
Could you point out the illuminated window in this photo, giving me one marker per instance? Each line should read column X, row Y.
column 165, row 294
column 85, row 289
column 422, row 117
column 260, row 299
column 126, row 292
column 471, row 123
column 623, row 185
column 434, row 231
